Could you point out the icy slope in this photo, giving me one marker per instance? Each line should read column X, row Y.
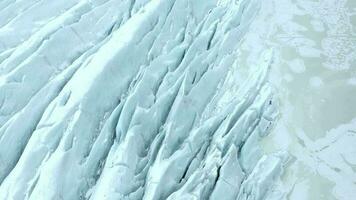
column 143, row 99
column 133, row 100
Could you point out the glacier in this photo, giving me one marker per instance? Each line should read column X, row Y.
column 177, row 99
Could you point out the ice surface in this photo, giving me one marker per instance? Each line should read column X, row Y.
column 148, row 99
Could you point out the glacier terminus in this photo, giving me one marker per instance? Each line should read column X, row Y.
column 177, row 99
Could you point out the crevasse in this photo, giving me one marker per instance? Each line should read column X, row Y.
column 124, row 99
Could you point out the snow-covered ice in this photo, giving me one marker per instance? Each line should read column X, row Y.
column 177, row 99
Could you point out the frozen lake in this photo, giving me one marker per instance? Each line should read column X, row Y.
column 314, row 72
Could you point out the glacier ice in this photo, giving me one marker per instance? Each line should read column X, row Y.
column 157, row 99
